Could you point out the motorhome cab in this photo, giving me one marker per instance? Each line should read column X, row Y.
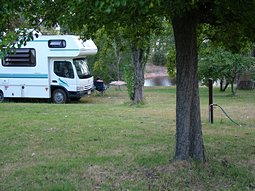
column 51, row 67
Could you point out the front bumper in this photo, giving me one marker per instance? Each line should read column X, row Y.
column 80, row 94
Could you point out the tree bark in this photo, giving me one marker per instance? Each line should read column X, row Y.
column 189, row 141
column 221, row 85
column 139, row 61
column 232, row 85
column 232, row 88
column 225, row 87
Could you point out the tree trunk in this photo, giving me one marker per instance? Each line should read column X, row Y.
column 232, row 85
column 189, row 141
column 226, row 86
column 138, row 59
column 232, row 88
column 221, row 85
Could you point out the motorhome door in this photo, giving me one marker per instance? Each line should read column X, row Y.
column 62, row 74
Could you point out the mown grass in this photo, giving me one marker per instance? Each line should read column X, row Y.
column 104, row 143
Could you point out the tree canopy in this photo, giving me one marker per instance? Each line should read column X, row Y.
column 219, row 64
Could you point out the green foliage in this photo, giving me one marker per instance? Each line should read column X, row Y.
column 14, row 30
column 114, row 14
column 171, row 63
column 253, row 73
column 102, row 62
column 136, row 21
column 163, row 38
column 163, row 48
column 112, row 56
column 15, row 39
column 232, row 39
column 219, row 64
column 10, row 15
column 159, row 58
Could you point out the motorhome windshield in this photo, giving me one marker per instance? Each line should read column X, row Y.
column 82, row 68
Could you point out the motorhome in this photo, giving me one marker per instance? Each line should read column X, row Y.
column 52, row 67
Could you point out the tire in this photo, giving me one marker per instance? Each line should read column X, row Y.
column 59, row 96
column 1, row 96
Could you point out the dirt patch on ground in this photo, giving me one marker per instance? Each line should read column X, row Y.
column 160, row 178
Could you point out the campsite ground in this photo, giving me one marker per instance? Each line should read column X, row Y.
column 103, row 143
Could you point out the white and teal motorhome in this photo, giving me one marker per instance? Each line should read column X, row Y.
column 51, row 67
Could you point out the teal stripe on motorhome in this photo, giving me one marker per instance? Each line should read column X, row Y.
column 64, row 49
column 63, row 82
column 39, row 41
column 23, row 75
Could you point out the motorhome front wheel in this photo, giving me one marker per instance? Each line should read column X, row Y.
column 59, row 96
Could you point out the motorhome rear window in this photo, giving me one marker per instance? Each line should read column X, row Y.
column 20, row 57
column 57, row 43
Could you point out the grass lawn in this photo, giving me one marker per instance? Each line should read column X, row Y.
column 103, row 143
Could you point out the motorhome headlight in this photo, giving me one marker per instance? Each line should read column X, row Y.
column 80, row 88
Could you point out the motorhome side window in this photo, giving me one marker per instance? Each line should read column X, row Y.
column 63, row 69
column 25, row 57
column 56, row 43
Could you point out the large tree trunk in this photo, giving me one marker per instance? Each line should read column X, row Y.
column 189, row 141
column 139, row 61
